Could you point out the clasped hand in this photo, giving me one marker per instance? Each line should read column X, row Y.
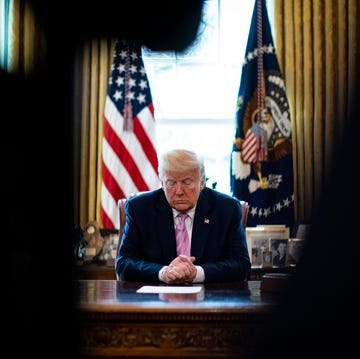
column 180, row 270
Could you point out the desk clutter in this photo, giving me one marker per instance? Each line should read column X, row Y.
column 270, row 246
column 94, row 244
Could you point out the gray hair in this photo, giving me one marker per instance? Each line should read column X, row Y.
column 180, row 160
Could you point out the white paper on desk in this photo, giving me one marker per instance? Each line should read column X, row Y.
column 168, row 289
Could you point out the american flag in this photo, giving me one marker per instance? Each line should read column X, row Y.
column 254, row 148
column 129, row 159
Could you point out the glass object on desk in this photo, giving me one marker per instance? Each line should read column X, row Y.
column 79, row 245
column 267, row 258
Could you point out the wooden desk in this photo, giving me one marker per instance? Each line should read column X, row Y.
column 223, row 322
column 95, row 271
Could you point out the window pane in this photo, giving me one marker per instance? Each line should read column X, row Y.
column 195, row 92
column 213, row 141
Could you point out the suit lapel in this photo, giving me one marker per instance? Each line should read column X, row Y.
column 165, row 224
column 201, row 226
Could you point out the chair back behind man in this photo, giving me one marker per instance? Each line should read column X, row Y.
column 245, row 212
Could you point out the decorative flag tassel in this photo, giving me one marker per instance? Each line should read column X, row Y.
column 127, row 112
column 261, row 147
column 261, row 89
column 128, row 119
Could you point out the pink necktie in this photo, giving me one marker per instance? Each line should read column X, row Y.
column 182, row 237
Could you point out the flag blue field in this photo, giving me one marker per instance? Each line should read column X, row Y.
column 261, row 169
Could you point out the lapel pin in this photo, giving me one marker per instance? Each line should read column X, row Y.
column 206, row 220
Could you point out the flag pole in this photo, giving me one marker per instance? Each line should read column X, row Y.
column 260, row 113
column 260, row 77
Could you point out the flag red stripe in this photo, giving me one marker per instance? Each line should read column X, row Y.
column 126, row 158
column 249, row 147
column 111, row 184
column 106, row 221
column 146, row 144
column 108, row 179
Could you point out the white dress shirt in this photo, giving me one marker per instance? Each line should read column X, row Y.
column 200, row 275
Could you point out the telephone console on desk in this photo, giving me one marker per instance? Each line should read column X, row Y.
column 257, row 272
column 275, row 282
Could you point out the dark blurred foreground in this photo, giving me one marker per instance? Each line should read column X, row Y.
column 318, row 314
column 36, row 144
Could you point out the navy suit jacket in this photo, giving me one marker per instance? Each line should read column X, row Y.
column 218, row 237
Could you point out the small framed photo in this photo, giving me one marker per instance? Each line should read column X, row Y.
column 279, row 249
column 267, row 259
column 261, row 238
column 258, row 246
column 295, row 250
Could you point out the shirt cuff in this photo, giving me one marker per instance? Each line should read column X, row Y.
column 161, row 274
column 200, row 275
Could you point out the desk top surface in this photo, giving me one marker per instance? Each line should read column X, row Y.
column 119, row 296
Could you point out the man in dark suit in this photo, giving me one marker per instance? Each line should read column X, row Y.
column 148, row 251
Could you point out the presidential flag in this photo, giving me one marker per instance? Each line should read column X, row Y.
column 261, row 169
column 129, row 159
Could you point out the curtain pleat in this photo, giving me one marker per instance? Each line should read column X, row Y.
column 106, row 58
column 331, row 77
column 94, row 120
column 28, row 51
column 342, row 41
column 311, row 190
column 318, row 45
column 83, row 188
column 353, row 54
column 305, row 27
column 97, row 59
column 297, row 42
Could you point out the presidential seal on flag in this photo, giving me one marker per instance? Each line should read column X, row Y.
column 268, row 136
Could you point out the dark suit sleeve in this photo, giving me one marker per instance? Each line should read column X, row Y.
column 141, row 254
column 224, row 256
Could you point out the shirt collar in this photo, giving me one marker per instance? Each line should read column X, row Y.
column 191, row 212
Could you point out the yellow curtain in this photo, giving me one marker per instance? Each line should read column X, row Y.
column 28, row 41
column 318, row 45
column 95, row 63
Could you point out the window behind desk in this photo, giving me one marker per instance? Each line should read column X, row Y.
column 195, row 92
